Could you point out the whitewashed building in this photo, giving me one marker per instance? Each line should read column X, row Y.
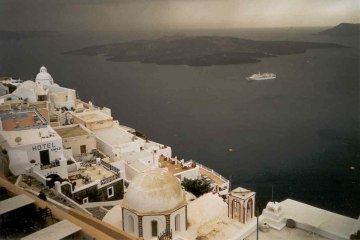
column 59, row 97
column 31, row 143
column 29, row 91
column 154, row 205
column 76, row 137
column 93, row 119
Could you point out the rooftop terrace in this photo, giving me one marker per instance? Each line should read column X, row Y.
column 217, row 178
column 92, row 116
column 71, row 131
column 19, row 120
column 91, row 174
column 174, row 166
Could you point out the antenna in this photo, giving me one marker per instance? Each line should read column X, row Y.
column 230, row 184
column 272, row 192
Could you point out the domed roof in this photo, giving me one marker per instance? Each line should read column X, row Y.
column 43, row 75
column 154, row 191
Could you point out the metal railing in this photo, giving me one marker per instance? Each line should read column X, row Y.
column 51, row 165
column 165, row 235
column 109, row 166
column 213, row 172
column 109, row 179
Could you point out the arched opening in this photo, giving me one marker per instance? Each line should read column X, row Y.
column 154, row 228
column 249, row 209
column 53, row 178
column 236, row 208
column 177, row 223
column 131, row 224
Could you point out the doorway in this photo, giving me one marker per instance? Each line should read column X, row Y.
column 45, row 157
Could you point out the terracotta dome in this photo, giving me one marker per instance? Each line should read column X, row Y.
column 154, row 191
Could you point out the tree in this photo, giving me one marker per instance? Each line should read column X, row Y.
column 197, row 187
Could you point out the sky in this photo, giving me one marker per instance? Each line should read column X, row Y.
column 114, row 15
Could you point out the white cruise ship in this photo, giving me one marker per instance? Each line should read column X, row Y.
column 262, row 76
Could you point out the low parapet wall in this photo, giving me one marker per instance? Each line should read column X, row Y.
column 309, row 218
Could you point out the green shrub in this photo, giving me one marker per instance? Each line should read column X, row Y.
column 197, row 187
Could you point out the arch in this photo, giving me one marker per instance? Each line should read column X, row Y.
column 177, row 223
column 131, row 224
column 235, row 209
column 53, row 178
column 249, row 209
column 154, row 228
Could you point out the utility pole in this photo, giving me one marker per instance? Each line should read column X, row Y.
column 257, row 223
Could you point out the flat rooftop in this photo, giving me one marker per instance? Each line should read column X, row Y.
column 29, row 136
column 89, row 174
column 212, row 175
column 92, row 116
column 316, row 218
column 71, row 131
column 171, row 166
column 12, row 121
column 114, row 135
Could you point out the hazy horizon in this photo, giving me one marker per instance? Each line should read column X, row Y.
column 126, row 15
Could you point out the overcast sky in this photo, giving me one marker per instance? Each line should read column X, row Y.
column 73, row 15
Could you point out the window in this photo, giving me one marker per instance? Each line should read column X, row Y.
column 110, row 192
column 83, row 149
column 131, row 224
column 177, row 222
column 154, row 228
column 85, row 200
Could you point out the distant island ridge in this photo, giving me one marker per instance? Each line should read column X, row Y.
column 343, row 29
column 198, row 50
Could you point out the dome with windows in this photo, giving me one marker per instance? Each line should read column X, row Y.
column 154, row 191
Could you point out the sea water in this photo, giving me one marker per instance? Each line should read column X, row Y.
column 297, row 133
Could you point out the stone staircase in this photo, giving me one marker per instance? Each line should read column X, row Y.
column 98, row 212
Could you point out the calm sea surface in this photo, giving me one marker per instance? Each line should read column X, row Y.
column 299, row 133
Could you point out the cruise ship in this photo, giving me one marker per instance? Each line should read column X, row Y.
column 262, row 76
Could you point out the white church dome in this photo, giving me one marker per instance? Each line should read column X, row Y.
column 154, row 191
column 43, row 76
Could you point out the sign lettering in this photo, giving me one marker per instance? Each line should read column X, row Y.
column 44, row 146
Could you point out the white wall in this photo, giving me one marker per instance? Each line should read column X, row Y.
column 167, row 152
column 62, row 97
column 126, row 215
column 192, row 173
column 130, row 172
column 133, row 146
column 60, row 170
column 104, row 147
column 182, row 214
column 75, row 142
column 111, row 150
column 147, row 225
column 26, row 93
column 21, row 155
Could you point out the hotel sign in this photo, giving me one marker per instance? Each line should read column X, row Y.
column 46, row 146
